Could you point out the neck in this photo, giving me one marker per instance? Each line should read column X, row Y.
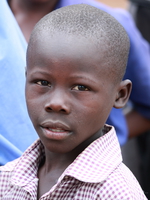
column 63, row 160
column 57, row 160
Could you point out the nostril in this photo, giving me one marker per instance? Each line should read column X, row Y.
column 57, row 105
column 48, row 109
column 63, row 110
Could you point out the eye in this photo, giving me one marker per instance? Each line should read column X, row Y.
column 80, row 88
column 43, row 83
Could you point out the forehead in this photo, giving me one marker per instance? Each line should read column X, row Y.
column 69, row 47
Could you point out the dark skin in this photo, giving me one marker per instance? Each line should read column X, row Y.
column 29, row 12
column 55, row 164
column 69, row 98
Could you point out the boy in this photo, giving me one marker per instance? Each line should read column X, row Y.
column 12, row 58
column 76, row 59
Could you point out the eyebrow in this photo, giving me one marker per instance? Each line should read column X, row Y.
column 40, row 72
column 83, row 77
column 72, row 77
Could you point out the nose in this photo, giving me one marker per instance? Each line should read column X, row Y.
column 57, row 102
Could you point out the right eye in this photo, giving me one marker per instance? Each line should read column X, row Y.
column 43, row 83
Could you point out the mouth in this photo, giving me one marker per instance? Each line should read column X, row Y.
column 56, row 131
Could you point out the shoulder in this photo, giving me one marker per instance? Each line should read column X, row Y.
column 9, row 166
column 121, row 184
column 6, row 171
column 5, row 176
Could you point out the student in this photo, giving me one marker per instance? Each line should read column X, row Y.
column 13, row 114
column 27, row 13
column 69, row 96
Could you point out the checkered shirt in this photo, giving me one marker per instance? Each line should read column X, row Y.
column 96, row 174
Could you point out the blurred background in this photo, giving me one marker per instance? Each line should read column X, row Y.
column 136, row 152
column 116, row 3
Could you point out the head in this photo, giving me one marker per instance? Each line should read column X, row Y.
column 76, row 60
column 34, row 4
column 41, row 1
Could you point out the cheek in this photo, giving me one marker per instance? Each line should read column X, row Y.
column 94, row 115
column 32, row 110
column 90, row 117
column 32, row 103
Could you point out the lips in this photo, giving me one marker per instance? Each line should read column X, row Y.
column 55, row 130
column 59, row 130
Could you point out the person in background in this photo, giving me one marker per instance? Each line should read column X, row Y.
column 16, row 130
column 140, row 10
column 26, row 14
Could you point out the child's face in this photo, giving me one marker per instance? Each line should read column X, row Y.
column 69, row 95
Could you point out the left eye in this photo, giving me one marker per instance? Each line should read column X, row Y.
column 43, row 83
column 80, row 87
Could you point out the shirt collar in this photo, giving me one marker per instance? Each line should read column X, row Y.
column 93, row 165
column 98, row 160
column 24, row 169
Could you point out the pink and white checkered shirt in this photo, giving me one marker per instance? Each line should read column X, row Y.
column 97, row 173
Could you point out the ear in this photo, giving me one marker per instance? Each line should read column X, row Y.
column 123, row 94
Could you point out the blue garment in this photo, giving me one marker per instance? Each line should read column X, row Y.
column 16, row 130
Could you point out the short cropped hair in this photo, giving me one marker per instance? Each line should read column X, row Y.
column 89, row 22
